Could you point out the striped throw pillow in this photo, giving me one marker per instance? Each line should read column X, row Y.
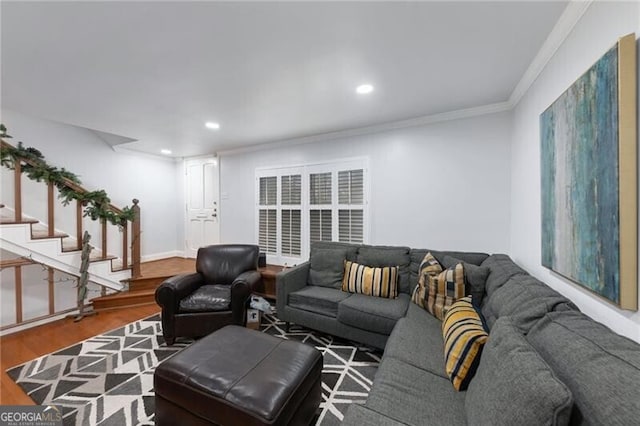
column 444, row 289
column 465, row 333
column 378, row 282
column 428, row 267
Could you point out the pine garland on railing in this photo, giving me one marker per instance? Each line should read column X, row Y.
column 96, row 202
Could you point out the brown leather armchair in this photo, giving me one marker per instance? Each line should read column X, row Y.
column 194, row 305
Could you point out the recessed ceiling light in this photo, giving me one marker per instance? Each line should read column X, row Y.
column 364, row 89
column 212, row 125
column 166, row 151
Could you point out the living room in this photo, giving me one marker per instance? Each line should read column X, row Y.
column 460, row 175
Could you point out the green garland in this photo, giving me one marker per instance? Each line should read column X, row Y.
column 96, row 202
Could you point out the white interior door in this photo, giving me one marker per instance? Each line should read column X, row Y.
column 203, row 210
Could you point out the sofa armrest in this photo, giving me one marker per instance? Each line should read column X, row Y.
column 176, row 288
column 358, row 415
column 241, row 290
column 287, row 282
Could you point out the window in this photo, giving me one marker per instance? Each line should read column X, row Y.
column 267, row 214
column 351, row 206
column 291, row 202
column 301, row 205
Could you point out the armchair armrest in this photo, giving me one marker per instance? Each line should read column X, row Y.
column 174, row 289
column 241, row 290
column 287, row 282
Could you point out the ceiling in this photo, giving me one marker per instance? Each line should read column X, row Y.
column 148, row 75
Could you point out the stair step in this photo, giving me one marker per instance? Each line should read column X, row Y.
column 44, row 234
column 12, row 221
column 146, row 283
column 125, row 298
column 20, row 261
column 98, row 258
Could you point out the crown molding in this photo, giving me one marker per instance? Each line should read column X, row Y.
column 567, row 21
column 378, row 128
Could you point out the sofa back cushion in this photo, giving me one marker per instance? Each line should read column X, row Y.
column 501, row 268
column 526, row 300
column 514, row 385
column 326, row 267
column 350, row 249
column 380, row 256
column 417, row 255
column 600, row 367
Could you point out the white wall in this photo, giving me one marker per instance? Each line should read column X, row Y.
column 123, row 176
column 441, row 186
column 595, row 33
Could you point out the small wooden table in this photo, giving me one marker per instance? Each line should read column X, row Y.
column 268, row 290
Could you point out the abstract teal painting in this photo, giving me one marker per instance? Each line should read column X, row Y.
column 581, row 167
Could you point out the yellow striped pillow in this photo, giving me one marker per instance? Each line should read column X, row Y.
column 465, row 334
column 428, row 267
column 378, row 282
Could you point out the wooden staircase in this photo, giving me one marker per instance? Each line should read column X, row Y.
column 38, row 241
column 142, row 289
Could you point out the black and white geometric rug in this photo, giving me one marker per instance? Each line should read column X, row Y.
column 108, row 379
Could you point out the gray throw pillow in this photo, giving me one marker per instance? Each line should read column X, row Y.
column 475, row 277
column 327, row 267
column 514, row 385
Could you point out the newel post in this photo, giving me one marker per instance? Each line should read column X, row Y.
column 135, row 240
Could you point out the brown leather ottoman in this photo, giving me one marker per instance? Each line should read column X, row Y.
column 237, row 376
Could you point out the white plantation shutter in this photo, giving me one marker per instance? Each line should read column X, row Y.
column 298, row 206
column 351, row 187
column 320, row 188
column 351, row 206
column 267, row 214
column 320, row 225
column 267, row 234
column 320, row 200
column 291, row 222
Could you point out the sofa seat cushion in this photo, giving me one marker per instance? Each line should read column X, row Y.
column 414, row 396
column 379, row 256
column 600, row 367
column 417, row 340
column 321, row 300
column 373, row 313
column 526, row 300
column 514, row 385
column 207, row 298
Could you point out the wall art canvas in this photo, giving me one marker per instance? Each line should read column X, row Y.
column 589, row 179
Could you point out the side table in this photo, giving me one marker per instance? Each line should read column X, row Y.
column 268, row 291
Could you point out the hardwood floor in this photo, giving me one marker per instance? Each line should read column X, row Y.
column 29, row 344
column 167, row 267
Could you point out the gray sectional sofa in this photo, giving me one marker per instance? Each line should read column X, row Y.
column 544, row 363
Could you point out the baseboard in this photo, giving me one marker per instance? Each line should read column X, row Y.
column 163, row 255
